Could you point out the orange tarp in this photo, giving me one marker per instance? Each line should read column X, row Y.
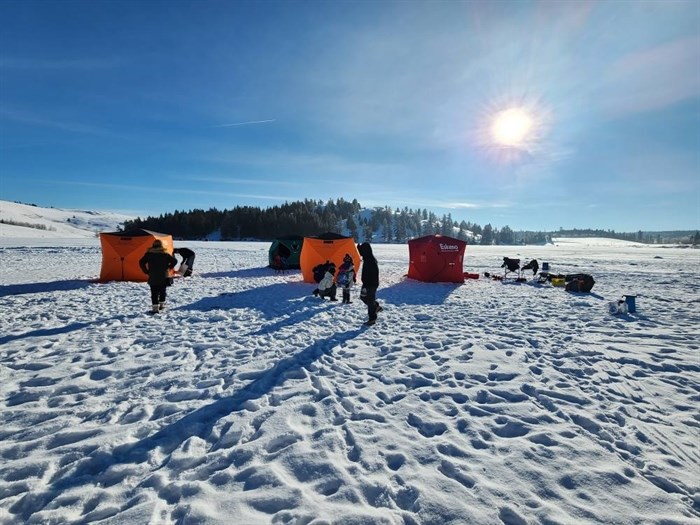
column 326, row 247
column 121, row 252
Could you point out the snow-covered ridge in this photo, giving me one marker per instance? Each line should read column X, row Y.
column 24, row 220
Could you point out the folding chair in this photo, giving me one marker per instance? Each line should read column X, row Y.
column 510, row 266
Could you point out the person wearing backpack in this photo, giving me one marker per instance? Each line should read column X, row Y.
column 346, row 277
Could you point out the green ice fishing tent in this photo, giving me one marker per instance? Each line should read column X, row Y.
column 289, row 247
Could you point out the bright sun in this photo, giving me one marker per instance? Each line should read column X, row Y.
column 511, row 127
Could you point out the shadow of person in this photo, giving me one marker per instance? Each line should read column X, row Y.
column 52, row 286
column 199, row 422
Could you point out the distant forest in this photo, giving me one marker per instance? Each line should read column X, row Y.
column 384, row 225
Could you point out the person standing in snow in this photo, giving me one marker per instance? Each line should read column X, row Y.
column 346, row 277
column 370, row 282
column 157, row 263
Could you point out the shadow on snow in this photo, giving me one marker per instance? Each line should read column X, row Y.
column 52, row 286
column 410, row 291
column 249, row 273
column 43, row 332
column 199, row 422
column 272, row 300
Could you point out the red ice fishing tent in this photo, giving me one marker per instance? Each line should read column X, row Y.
column 436, row 258
column 326, row 247
column 121, row 252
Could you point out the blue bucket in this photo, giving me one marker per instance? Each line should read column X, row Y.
column 630, row 300
column 545, row 266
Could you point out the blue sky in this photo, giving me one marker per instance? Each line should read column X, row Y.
column 146, row 107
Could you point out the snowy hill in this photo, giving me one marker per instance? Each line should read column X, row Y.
column 594, row 241
column 23, row 220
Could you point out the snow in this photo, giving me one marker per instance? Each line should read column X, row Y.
column 27, row 221
column 249, row 401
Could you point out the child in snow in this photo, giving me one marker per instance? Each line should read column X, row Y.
column 327, row 288
column 320, row 271
column 157, row 263
column 346, row 277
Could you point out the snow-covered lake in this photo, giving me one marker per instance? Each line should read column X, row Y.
column 249, row 401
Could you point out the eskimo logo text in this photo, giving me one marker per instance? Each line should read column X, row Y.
column 448, row 247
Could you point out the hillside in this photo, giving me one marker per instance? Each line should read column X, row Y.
column 24, row 220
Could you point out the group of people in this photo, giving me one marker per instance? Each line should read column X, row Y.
column 158, row 264
column 328, row 283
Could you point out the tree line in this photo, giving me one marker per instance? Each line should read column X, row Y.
column 381, row 224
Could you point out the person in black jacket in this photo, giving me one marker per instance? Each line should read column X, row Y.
column 187, row 261
column 370, row 282
column 157, row 263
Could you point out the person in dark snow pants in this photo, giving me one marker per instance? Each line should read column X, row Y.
column 187, row 261
column 157, row 263
column 370, row 282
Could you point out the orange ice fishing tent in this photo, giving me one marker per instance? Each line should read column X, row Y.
column 121, row 252
column 436, row 259
column 326, row 247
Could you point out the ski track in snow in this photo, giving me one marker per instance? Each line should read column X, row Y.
column 250, row 401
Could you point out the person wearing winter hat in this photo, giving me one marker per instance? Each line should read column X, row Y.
column 157, row 263
column 370, row 282
column 346, row 277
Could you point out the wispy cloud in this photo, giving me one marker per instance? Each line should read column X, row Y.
column 75, row 63
column 161, row 189
column 655, row 78
column 228, row 180
column 310, row 162
column 247, row 123
column 421, row 202
column 37, row 120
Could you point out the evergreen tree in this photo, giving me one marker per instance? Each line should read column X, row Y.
column 352, row 227
column 506, row 236
column 487, row 235
column 368, row 232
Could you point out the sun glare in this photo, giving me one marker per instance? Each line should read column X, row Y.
column 514, row 129
column 511, row 127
